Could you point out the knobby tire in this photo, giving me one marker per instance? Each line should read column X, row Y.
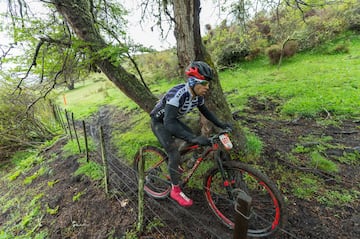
column 157, row 182
column 267, row 211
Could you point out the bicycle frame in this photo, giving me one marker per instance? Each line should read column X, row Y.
column 213, row 148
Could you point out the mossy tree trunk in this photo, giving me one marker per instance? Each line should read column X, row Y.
column 189, row 48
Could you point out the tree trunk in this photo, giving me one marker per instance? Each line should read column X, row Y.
column 189, row 48
column 78, row 14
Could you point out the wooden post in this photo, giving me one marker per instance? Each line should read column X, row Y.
column 242, row 212
column 86, row 142
column 68, row 122
column 61, row 119
column 103, row 156
column 76, row 136
column 141, row 166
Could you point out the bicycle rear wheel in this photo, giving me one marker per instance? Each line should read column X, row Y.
column 157, row 182
column 267, row 212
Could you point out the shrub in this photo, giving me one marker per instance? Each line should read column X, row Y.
column 353, row 17
column 274, row 54
column 20, row 126
column 232, row 54
column 290, row 48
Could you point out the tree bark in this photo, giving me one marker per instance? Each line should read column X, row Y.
column 78, row 14
column 189, row 48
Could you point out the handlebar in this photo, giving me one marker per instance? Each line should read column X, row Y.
column 215, row 136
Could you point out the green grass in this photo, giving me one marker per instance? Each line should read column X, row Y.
column 88, row 96
column 318, row 161
column 91, row 169
column 23, row 161
column 140, row 135
column 308, row 84
column 72, row 146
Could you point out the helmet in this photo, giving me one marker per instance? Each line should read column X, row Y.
column 200, row 70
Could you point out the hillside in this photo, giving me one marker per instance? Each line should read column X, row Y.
column 96, row 215
column 302, row 119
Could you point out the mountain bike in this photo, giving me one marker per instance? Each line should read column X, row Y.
column 221, row 183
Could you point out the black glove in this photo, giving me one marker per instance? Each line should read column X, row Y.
column 201, row 140
column 226, row 126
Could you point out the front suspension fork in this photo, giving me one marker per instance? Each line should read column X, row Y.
column 227, row 183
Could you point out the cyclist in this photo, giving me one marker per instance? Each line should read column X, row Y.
column 166, row 125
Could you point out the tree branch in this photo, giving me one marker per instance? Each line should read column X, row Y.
column 43, row 96
column 112, row 33
column 38, row 47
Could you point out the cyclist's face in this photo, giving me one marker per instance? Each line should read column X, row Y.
column 201, row 89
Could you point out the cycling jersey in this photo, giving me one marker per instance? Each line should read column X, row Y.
column 166, row 123
column 179, row 96
column 175, row 103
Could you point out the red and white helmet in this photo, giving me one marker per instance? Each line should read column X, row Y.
column 200, row 70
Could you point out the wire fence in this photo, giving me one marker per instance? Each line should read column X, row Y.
column 121, row 181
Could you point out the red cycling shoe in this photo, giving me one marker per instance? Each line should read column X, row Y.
column 180, row 197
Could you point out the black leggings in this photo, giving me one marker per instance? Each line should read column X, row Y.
column 167, row 140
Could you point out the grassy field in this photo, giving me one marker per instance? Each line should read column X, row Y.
column 306, row 85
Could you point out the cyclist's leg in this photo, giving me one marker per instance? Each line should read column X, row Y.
column 168, row 142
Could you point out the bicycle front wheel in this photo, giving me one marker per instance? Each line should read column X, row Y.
column 267, row 211
column 157, row 181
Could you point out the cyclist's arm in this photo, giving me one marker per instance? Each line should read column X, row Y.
column 171, row 123
column 210, row 116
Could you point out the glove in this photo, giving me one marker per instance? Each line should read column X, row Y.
column 226, row 126
column 201, row 140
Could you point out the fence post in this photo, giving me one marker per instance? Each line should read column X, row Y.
column 141, row 167
column 242, row 212
column 76, row 136
column 86, row 142
column 61, row 118
column 68, row 122
column 103, row 156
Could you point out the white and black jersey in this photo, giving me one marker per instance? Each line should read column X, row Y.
column 180, row 97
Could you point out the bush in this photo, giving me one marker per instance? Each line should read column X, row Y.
column 321, row 28
column 290, row 48
column 274, row 54
column 227, row 45
column 22, row 127
column 353, row 16
column 232, row 54
column 159, row 65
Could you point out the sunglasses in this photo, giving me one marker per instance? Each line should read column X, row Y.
column 204, row 82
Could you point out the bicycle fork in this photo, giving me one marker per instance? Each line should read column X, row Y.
column 227, row 183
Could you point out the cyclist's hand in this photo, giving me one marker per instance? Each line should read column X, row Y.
column 201, row 140
column 226, row 126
